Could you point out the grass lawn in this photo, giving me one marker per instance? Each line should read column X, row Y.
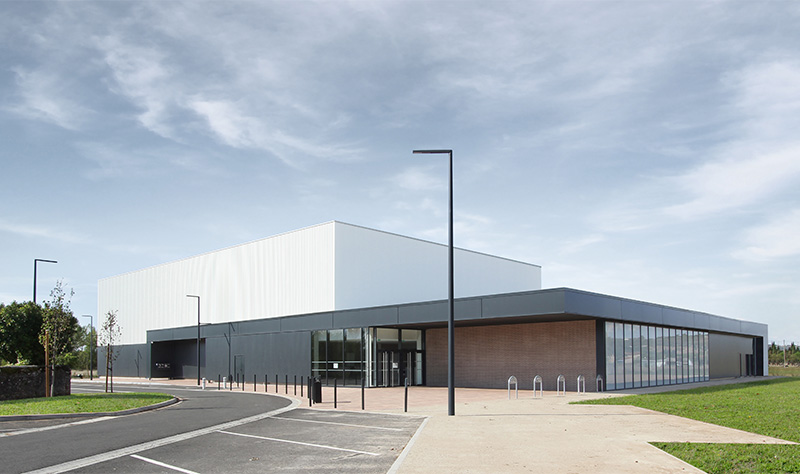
column 81, row 403
column 769, row 407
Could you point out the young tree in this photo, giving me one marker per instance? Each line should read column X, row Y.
column 20, row 324
column 110, row 334
column 58, row 328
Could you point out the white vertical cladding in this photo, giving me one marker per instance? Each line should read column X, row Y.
column 287, row 274
column 375, row 268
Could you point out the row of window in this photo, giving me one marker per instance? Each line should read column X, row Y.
column 645, row 356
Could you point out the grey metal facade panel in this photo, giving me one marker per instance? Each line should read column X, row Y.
column 366, row 317
column 307, row 322
column 524, row 304
column 466, row 310
column 755, row 329
column 423, row 313
column 701, row 320
column 592, row 304
column 678, row 317
column 642, row 312
column 257, row 326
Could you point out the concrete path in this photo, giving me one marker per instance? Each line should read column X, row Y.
column 493, row 434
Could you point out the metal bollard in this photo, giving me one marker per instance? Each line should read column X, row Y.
column 276, row 383
column 266, row 382
column 286, row 384
column 219, row 377
column 309, row 391
column 334, row 393
column 362, row 393
column 301, row 386
column 204, row 383
column 242, row 382
column 230, row 382
column 295, row 385
column 405, row 402
column 254, row 382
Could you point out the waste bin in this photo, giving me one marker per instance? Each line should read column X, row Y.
column 316, row 390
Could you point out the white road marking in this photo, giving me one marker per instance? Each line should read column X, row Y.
column 118, row 453
column 299, row 442
column 63, row 425
column 162, row 464
column 340, row 424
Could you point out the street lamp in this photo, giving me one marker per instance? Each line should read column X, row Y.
column 91, row 340
column 451, row 368
column 47, row 333
column 198, row 335
column 35, row 261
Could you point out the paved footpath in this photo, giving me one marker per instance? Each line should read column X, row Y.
column 491, row 433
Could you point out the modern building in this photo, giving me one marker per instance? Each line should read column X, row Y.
column 347, row 303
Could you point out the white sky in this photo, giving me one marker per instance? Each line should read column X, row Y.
column 648, row 150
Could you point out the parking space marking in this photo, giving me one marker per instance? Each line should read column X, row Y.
column 163, row 464
column 299, row 442
column 340, row 424
column 118, row 453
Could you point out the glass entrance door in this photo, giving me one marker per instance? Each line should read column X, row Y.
column 395, row 366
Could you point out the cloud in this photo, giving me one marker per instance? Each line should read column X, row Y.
column 775, row 239
column 141, row 75
column 42, row 98
column 419, row 178
column 47, row 233
column 763, row 159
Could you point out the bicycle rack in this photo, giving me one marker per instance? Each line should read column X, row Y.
column 599, row 382
column 513, row 380
column 561, row 386
column 581, row 385
column 538, row 378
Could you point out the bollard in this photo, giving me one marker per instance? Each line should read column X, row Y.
column 362, row 393
column 219, row 376
column 309, row 391
column 242, row 382
column 286, row 384
column 334, row 393
column 204, row 384
column 405, row 401
column 295, row 385
column 230, row 382
column 276, row 383
column 254, row 382
column 301, row 386
column 266, row 382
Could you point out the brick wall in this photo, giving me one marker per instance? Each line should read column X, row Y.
column 487, row 355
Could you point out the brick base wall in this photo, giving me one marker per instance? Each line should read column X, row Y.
column 487, row 355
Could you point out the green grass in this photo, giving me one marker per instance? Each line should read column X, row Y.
column 81, row 403
column 790, row 371
column 768, row 407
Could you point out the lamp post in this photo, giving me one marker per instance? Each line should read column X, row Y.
column 36, row 261
column 198, row 335
column 451, row 368
column 91, row 343
column 47, row 333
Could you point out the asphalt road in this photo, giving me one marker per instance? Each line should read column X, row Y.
column 209, row 431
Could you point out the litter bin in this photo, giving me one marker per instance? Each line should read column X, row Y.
column 316, row 390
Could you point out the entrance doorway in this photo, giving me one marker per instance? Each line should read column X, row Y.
column 395, row 366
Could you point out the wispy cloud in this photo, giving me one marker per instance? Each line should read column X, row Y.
column 42, row 98
column 43, row 232
column 775, row 239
